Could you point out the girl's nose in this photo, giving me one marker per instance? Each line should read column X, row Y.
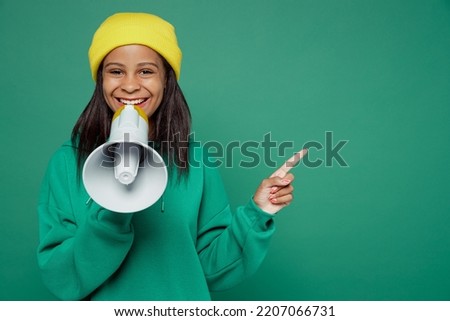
column 130, row 84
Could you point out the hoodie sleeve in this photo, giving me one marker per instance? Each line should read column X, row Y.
column 81, row 244
column 231, row 244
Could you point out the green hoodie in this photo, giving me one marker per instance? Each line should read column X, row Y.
column 184, row 246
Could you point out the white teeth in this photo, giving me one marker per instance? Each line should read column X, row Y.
column 132, row 102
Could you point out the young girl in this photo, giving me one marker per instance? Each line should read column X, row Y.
column 180, row 250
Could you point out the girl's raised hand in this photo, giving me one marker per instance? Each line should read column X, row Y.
column 275, row 192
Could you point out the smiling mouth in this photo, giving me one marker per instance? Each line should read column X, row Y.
column 132, row 101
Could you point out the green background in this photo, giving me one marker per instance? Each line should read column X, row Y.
column 374, row 73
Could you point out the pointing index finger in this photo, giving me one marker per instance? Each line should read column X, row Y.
column 291, row 162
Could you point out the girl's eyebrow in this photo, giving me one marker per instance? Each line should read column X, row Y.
column 114, row 64
column 141, row 64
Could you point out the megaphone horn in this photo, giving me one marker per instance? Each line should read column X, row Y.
column 126, row 175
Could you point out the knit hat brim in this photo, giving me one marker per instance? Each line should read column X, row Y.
column 135, row 28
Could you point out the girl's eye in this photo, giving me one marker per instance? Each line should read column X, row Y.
column 147, row 72
column 115, row 72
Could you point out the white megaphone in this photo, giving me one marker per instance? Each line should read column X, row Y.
column 125, row 175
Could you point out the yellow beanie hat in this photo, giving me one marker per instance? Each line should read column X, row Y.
column 146, row 29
